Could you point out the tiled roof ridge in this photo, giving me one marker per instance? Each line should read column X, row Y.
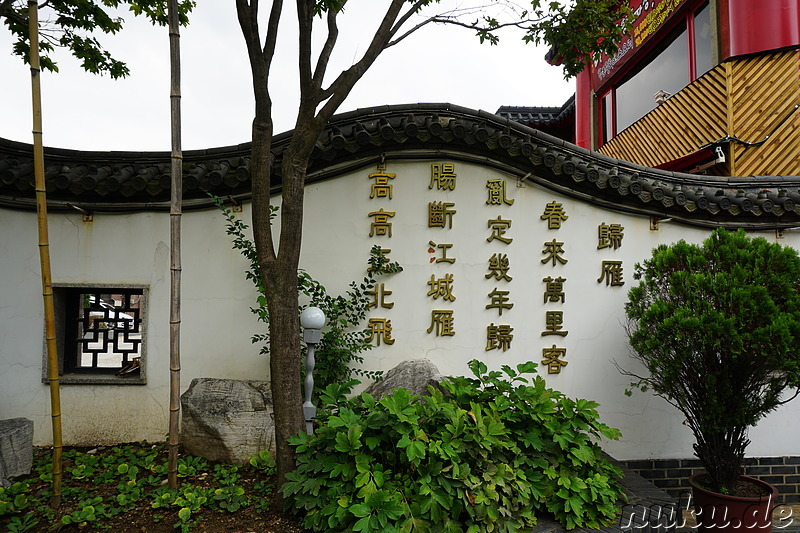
column 538, row 115
column 130, row 181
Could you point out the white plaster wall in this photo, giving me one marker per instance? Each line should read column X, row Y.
column 217, row 323
column 336, row 242
column 123, row 249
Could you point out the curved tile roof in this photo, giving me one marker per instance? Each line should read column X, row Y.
column 130, row 181
column 540, row 116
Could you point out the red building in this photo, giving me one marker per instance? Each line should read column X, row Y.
column 699, row 86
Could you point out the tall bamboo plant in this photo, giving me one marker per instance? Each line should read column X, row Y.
column 175, row 241
column 44, row 250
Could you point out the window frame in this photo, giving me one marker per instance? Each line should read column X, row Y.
column 686, row 21
column 68, row 374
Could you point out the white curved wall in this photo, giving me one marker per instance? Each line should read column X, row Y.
column 217, row 323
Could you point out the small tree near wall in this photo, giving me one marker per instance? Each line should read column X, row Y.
column 717, row 326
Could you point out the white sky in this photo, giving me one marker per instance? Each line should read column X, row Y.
column 89, row 112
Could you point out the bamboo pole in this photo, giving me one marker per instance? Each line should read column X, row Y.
column 44, row 250
column 175, row 243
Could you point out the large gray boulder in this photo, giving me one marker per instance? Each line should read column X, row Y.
column 16, row 449
column 227, row 420
column 413, row 374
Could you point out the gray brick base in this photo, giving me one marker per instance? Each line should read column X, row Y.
column 671, row 475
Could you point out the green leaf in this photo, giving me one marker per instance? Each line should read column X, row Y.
column 416, row 450
column 360, row 509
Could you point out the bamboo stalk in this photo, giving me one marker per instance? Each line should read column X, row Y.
column 175, row 243
column 44, row 250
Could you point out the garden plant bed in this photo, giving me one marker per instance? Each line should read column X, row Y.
column 254, row 515
column 101, row 478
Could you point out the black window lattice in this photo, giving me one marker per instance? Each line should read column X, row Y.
column 110, row 323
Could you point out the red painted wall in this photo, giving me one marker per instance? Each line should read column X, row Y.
column 751, row 26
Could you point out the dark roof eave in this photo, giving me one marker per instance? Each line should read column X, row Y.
column 130, row 181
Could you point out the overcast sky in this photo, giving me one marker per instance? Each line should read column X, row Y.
column 89, row 112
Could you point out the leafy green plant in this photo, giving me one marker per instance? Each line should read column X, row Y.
column 189, row 465
column 717, row 327
column 14, row 498
column 190, row 501
column 88, row 510
column 129, row 492
column 263, row 462
column 226, row 474
column 22, row 524
column 163, row 497
column 230, row 498
column 262, row 490
column 184, row 523
column 480, row 453
column 344, row 337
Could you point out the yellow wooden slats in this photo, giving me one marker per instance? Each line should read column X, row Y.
column 679, row 126
column 743, row 98
column 764, row 91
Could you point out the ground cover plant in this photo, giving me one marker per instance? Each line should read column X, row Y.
column 122, row 489
column 484, row 453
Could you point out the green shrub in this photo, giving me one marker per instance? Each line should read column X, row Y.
column 717, row 327
column 488, row 453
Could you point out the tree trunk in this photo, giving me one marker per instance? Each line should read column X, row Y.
column 285, row 366
column 279, row 272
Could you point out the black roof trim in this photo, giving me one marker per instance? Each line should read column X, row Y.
column 539, row 116
column 136, row 181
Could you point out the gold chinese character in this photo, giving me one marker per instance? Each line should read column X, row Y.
column 551, row 359
column 553, row 321
column 379, row 293
column 554, row 249
column 439, row 213
column 381, row 224
column 498, row 337
column 609, row 236
column 443, row 248
column 443, row 176
column 442, row 322
column 554, row 214
column 498, row 267
column 612, row 273
column 442, row 287
column 381, row 188
column 380, row 328
column 499, row 227
column 499, row 301
column 554, row 289
column 497, row 192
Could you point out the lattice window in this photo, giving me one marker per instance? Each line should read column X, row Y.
column 103, row 330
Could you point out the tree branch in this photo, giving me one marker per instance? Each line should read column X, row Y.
column 327, row 48
column 341, row 86
column 272, row 33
